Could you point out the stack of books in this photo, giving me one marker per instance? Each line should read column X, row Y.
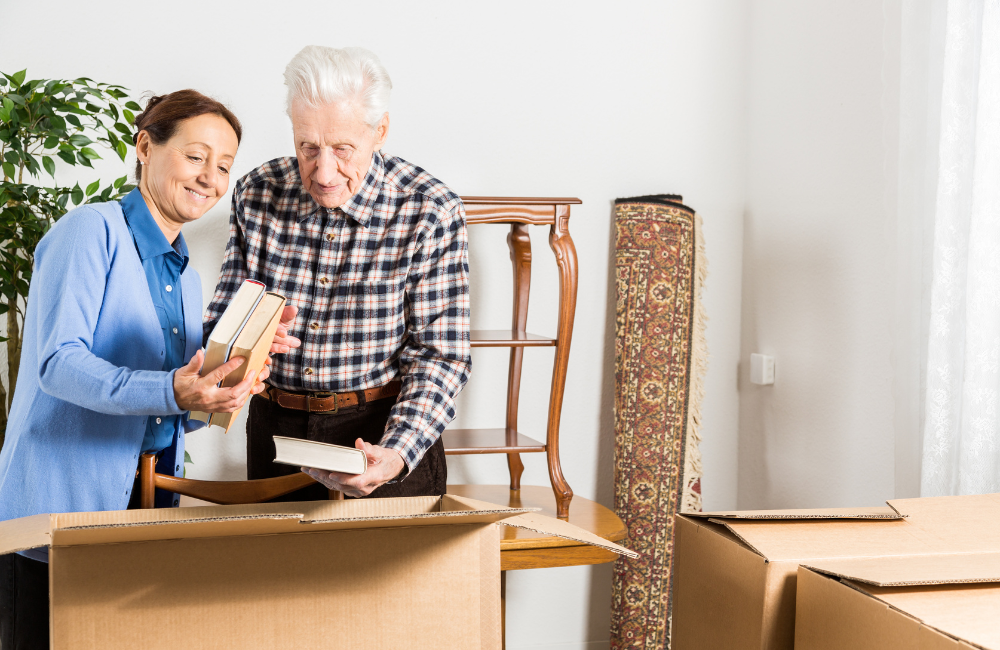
column 246, row 329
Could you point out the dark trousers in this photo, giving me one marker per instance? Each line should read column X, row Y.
column 24, row 597
column 365, row 421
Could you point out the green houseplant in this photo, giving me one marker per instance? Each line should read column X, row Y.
column 42, row 122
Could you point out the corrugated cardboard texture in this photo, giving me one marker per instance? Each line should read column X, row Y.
column 832, row 614
column 414, row 587
column 881, row 512
column 915, row 570
column 257, row 519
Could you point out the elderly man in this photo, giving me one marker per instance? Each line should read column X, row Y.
column 372, row 252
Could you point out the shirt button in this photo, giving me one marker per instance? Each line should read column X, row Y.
column 323, row 280
column 314, row 326
column 159, row 421
column 329, row 236
column 168, row 288
column 308, row 371
column 175, row 330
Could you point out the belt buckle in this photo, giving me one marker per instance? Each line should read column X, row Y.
column 336, row 402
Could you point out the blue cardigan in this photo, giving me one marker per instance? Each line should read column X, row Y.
column 90, row 371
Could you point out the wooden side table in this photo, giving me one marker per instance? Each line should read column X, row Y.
column 524, row 549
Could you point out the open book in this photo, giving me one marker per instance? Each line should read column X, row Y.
column 321, row 455
column 246, row 329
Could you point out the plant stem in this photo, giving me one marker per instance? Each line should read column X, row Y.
column 13, row 352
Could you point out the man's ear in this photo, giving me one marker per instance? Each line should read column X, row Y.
column 381, row 131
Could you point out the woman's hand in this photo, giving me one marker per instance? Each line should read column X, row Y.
column 192, row 392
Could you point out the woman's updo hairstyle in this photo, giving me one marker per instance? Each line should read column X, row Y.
column 164, row 112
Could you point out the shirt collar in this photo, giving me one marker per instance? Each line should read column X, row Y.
column 149, row 239
column 359, row 207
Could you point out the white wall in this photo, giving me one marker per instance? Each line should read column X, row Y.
column 518, row 98
column 819, row 254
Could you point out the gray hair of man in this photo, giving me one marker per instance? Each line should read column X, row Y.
column 327, row 75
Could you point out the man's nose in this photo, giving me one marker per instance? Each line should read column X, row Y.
column 326, row 168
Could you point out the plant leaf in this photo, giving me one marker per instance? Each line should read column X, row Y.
column 74, row 120
column 50, row 165
column 93, row 187
column 89, row 153
column 133, row 106
column 18, row 77
column 129, row 116
column 51, row 142
column 67, row 156
column 124, row 130
column 77, row 194
column 9, row 170
column 120, row 181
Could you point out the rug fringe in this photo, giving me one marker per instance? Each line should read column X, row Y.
column 691, row 498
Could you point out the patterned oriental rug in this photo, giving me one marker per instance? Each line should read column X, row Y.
column 661, row 358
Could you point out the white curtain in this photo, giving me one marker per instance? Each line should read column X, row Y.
column 961, row 434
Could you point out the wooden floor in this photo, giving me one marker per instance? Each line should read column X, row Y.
column 524, row 549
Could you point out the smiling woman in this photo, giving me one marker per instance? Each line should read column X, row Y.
column 112, row 345
column 186, row 142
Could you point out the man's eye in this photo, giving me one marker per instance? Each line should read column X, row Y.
column 224, row 170
column 195, row 159
column 343, row 152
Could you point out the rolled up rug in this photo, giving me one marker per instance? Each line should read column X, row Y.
column 661, row 358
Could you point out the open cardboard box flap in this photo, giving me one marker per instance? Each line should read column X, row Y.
column 78, row 528
column 957, row 568
column 972, row 523
column 878, row 512
column 955, row 597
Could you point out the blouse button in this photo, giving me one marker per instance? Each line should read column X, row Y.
column 308, row 371
column 168, row 288
column 175, row 330
column 159, row 421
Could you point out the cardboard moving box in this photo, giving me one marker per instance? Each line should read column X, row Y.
column 936, row 602
column 735, row 573
column 420, row 572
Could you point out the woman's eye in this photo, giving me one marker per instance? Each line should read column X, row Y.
column 195, row 159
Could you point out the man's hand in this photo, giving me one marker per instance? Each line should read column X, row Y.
column 383, row 466
column 192, row 392
column 283, row 342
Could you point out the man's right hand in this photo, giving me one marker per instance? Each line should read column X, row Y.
column 283, row 341
column 192, row 392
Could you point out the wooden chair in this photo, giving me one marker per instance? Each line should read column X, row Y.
column 520, row 214
column 221, row 492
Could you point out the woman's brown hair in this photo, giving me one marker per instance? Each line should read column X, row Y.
column 164, row 112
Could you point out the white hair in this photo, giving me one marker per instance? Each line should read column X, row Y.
column 326, row 75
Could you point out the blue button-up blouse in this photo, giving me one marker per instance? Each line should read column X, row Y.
column 163, row 264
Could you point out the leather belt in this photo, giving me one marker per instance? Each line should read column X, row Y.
column 328, row 402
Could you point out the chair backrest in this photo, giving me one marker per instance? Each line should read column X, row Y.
column 221, row 492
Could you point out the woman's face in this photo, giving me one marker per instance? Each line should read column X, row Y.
column 188, row 174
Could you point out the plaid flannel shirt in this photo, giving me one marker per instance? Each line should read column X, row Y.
column 381, row 285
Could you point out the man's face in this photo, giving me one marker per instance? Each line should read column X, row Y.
column 334, row 146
